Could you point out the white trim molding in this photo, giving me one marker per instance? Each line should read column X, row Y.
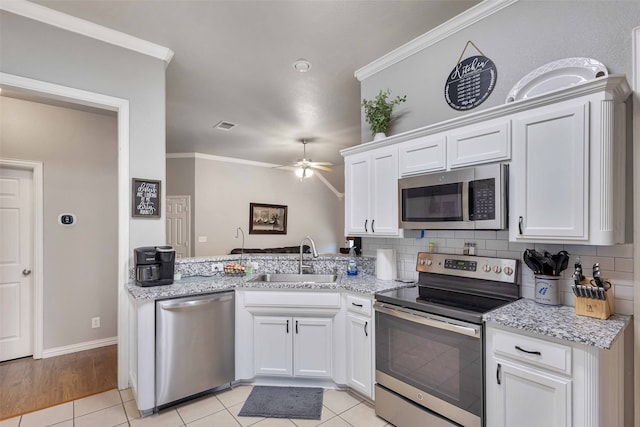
column 86, row 28
column 89, row 345
column 36, row 169
column 636, row 215
column 441, row 32
column 121, row 107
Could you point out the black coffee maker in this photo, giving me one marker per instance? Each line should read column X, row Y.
column 154, row 265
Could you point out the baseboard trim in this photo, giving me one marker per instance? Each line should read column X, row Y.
column 73, row 348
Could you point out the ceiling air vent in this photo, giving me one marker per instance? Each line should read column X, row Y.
column 224, row 125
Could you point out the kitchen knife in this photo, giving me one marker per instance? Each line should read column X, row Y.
column 596, row 275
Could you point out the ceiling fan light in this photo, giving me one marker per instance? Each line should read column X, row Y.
column 303, row 173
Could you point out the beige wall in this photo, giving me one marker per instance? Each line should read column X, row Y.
column 79, row 153
column 224, row 190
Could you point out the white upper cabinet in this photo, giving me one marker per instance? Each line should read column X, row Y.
column 550, row 173
column 371, row 193
column 567, row 173
column 424, row 154
column 479, row 143
column 567, row 177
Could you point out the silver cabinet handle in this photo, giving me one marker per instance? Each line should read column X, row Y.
column 287, row 326
column 366, row 334
column 365, row 225
column 26, row 272
column 373, row 230
column 498, row 374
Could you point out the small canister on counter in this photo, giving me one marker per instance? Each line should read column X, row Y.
column 547, row 292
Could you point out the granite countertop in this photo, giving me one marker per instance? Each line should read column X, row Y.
column 560, row 322
column 362, row 283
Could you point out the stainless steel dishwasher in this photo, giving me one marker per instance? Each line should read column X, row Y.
column 194, row 345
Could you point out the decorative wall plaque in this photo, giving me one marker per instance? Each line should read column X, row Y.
column 470, row 82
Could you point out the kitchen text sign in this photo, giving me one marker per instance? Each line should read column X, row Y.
column 470, row 82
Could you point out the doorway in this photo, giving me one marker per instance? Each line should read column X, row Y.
column 121, row 108
column 178, row 216
column 17, row 226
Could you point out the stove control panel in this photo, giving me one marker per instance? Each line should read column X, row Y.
column 497, row 269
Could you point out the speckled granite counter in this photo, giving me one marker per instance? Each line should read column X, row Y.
column 362, row 283
column 560, row 322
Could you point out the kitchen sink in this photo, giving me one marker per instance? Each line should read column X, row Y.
column 298, row 278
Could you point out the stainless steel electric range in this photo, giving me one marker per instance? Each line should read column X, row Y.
column 430, row 340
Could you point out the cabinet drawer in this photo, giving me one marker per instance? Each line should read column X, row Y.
column 425, row 154
column 359, row 305
column 534, row 351
column 292, row 299
column 483, row 143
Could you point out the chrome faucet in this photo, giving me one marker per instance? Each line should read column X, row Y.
column 313, row 248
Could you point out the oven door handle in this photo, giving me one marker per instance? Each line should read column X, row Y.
column 417, row 317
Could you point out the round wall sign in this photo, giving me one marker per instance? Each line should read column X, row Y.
column 470, row 82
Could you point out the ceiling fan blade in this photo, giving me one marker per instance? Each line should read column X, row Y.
column 321, row 163
column 322, row 168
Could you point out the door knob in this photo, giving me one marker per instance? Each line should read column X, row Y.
column 26, row 272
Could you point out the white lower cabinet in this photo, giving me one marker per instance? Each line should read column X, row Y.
column 534, row 381
column 292, row 346
column 528, row 397
column 286, row 334
column 360, row 359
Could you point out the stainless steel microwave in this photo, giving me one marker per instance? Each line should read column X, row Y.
column 471, row 198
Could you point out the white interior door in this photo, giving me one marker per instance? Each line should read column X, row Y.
column 16, row 252
column 179, row 224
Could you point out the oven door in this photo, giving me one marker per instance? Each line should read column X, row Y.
column 433, row 361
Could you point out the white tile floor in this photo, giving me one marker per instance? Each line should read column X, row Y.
column 117, row 408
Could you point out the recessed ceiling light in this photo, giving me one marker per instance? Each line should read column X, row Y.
column 302, row 65
column 222, row 125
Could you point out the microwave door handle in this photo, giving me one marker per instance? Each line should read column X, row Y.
column 465, row 201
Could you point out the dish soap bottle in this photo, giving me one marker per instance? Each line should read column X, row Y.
column 352, row 267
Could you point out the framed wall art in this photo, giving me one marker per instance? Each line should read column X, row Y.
column 267, row 219
column 146, row 198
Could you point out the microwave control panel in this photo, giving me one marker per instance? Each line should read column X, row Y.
column 482, row 199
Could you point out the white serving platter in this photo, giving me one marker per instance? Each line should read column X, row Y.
column 556, row 75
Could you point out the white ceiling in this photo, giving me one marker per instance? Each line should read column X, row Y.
column 233, row 62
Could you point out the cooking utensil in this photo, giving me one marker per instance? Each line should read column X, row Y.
column 531, row 261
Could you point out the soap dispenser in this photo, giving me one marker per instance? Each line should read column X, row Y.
column 352, row 267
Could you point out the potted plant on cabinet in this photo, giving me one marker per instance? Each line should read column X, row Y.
column 377, row 112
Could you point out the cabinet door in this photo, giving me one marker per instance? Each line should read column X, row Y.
column 550, row 173
column 384, row 192
column 272, row 345
column 359, row 354
column 357, row 194
column 526, row 397
column 480, row 143
column 424, row 154
column 312, row 348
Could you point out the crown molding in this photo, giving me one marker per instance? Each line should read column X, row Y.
column 452, row 26
column 86, row 28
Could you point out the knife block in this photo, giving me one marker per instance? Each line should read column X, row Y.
column 591, row 307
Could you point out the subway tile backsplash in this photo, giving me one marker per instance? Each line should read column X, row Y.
column 616, row 262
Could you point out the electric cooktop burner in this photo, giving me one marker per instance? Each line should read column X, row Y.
column 458, row 287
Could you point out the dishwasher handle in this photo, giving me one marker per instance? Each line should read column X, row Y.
column 195, row 303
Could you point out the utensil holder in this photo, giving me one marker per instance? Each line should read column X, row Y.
column 592, row 307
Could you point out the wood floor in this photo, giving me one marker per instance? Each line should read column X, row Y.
column 27, row 385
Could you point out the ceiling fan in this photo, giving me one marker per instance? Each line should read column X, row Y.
column 304, row 167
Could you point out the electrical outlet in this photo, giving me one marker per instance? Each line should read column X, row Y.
column 217, row 267
column 95, row 322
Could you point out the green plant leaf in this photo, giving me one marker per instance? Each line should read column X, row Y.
column 377, row 112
